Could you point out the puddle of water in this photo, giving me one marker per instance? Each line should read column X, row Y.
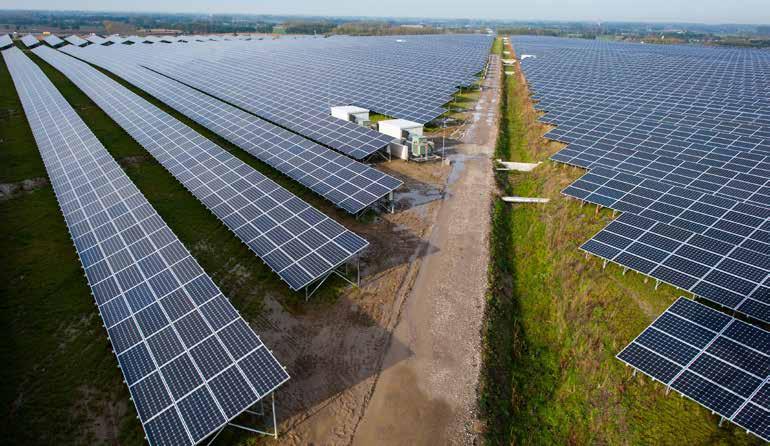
column 419, row 197
column 458, row 165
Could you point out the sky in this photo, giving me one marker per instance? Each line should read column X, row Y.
column 695, row 11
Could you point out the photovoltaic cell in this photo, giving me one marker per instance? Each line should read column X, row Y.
column 718, row 361
column 29, row 41
column 687, row 260
column 155, row 324
column 348, row 184
column 76, row 40
column 254, row 207
column 53, row 40
column 372, row 72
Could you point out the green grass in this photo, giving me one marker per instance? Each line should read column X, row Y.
column 60, row 379
column 555, row 321
column 377, row 117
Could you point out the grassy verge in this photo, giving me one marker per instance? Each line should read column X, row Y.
column 555, row 319
column 60, row 382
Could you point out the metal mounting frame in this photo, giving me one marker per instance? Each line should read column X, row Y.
column 310, row 289
column 261, row 413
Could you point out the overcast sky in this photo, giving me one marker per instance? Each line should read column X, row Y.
column 701, row 11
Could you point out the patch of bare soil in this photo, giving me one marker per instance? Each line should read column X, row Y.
column 12, row 190
column 335, row 352
column 101, row 416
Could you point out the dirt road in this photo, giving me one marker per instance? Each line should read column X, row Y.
column 429, row 395
column 396, row 361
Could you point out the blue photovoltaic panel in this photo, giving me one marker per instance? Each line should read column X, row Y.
column 29, row 41
column 166, row 319
column 678, row 139
column 732, row 275
column 294, row 239
column 76, row 40
column 294, row 82
column 53, row 40
column 349, row 184
column 96, row 40
column 5, row 41
column 718, row 361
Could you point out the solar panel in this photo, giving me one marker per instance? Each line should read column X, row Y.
column 684, row 153
column 190, row 361
column 76, row 40
column 294, row 239
column 96, row 40
column 346, row 137
column 54, row 41
column 5, row 41
column 315, row 74
column 351, row 185
column 734, row 276
column 29, row 41
column 720, row 362
column 724, row 219
column 743, row 178
column 114, row 38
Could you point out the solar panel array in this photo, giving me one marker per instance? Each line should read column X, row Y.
column 114, row 38
column 718, row 361
column 714, row 247
column 53, row 40
column 677, row 138
column 96, row 40
column 5, row 41
column 685, row 149
column 29, row 41
column 76, row 40
column 293, row 83
column 351, row 185
column 294, row 239
column 190, row 361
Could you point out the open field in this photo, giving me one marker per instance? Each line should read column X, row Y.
column 556, row 319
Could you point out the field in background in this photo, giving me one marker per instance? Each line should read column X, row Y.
column 556, row 319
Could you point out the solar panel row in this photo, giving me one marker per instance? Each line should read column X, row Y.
column 29, row 41
column 190, row 361
column 294, row 239
column 403, row 89
column 5, row 41
column 350, row 185
column 343, row 71
column 53, row 40
column 76, row 40
column 96, row 40
column 409, row 88
column 346, row 137
column 720, row 362
column 710, row 168
column 730, row 275
column 678, row 139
